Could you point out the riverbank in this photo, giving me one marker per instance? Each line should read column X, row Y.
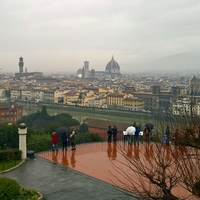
column 81, row 113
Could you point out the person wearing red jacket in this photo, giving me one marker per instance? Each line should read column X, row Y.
column 55, row 141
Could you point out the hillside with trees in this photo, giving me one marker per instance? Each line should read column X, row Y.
column 41, row 120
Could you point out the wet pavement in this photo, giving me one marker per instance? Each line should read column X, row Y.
column 93, row 171
column 56, row 181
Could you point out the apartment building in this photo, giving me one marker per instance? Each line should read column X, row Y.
column 48, row 96
column 71, row 98
column 98, row 103
column 186, row 106
column 133, row 104
column 26, row 94
column 10, row 114
column 115, row 101
column 59, row 96
column 90, row 95
column 159, row 100
column 15, row 94
column 38, row 95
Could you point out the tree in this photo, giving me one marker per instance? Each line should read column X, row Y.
column 151, row 172
column 83, row 128
column 155, row 170
column 43, row 113
column 41, row 120
column 9, row 137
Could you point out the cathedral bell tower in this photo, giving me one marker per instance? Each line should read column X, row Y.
column 21, row 65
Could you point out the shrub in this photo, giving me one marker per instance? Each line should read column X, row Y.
column 9, row 188
column 28, row 194
column 10, row 154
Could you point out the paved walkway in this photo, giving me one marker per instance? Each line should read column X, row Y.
column 57, row 182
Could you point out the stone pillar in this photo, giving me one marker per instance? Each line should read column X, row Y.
column 22, row 131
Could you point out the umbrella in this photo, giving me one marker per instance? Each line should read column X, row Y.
column 130, row 130
column 61, row 130
column 149, row 125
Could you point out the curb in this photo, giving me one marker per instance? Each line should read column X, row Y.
column 16, row 166
column 22, row 162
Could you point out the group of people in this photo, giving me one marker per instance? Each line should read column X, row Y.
column 64, row 139
column 169, row 136
column 133, row 131
column 112, row 133
column 148, row 134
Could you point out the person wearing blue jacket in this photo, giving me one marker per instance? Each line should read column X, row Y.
column 136, row 136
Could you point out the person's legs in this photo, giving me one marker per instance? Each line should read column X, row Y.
column 73, row 146
column 147, row 138
column 64, row 146
column 53, row 147
column 109, row 137
column 167, row 142
column 56, row 147
column 114, row 137
column 135, row 139
column 129, row 139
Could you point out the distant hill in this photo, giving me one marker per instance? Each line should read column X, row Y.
column 182, row 61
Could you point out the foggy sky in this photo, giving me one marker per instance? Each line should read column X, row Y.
column 59, row 35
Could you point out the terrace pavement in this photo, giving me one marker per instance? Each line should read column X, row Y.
column 92, row 171
column 81, row 174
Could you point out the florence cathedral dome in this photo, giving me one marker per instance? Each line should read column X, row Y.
column 112, row 66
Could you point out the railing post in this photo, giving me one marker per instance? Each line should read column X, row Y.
column 22, row 131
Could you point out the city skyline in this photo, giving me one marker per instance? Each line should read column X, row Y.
column 61, row 35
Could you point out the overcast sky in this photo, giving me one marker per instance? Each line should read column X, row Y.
column 59, row 35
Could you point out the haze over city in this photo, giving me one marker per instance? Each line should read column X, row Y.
column 60, row 35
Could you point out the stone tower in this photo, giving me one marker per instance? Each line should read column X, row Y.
column 21, row 65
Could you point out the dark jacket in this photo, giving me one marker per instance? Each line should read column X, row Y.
column 114, row 131
column 64, row 138
column 137, row 131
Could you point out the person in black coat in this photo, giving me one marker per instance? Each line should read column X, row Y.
column 109, row 132
column 64, row 141
column 114, row 132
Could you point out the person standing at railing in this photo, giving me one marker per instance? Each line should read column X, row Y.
column 168, row 133
column 147, row 132
column 72, row 138
column 64, row 141
column 136, row 136
column 55, row 141
column 109, row 132
column 114, row 132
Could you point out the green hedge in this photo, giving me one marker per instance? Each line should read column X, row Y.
column 9, row 188
column 45, row 145
column 10, row 154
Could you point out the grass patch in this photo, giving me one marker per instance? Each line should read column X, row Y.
column 5, row 165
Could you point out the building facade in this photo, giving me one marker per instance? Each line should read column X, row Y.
column 10, row 113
